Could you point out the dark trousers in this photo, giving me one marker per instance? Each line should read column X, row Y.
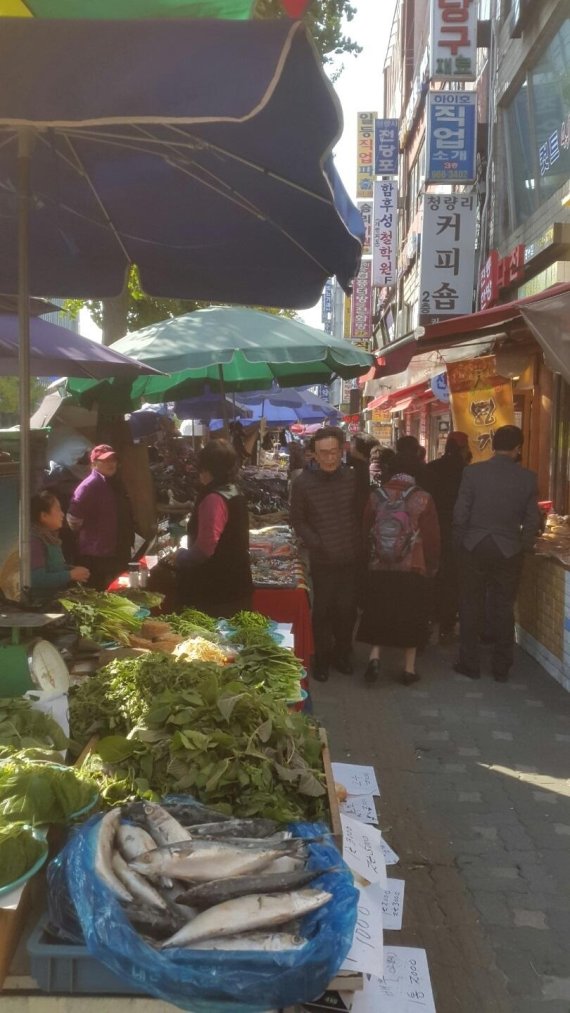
column 103, row 570
column 447, row 590
column 488, row 584
column 334, row 609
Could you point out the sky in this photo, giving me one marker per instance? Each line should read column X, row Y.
column 359, row 87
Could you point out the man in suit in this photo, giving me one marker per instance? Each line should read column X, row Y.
column 496, row 517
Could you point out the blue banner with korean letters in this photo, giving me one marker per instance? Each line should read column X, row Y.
column 386, row 147
column 452, row 137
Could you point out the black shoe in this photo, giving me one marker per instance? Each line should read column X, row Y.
column 343, row 664
column 462, row 669
column 320, row 672
column 372, row 670
column 408, row 678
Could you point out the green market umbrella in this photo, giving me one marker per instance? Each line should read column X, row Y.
column 238, row 348
column 124, row 10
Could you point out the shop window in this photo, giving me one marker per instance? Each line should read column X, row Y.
column 537, row 125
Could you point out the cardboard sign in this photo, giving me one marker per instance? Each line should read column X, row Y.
column 360, row 807
column 366, row 952
column 357, row 779
column 405, row 987
column 393, row 905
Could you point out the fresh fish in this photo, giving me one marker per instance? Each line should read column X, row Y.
column 236, row 828
column 107, row 829
column 209, row 894
column 155, row 924
column 256, row 911
column 287, row 863
column 288, row 845
column 133, row 841
column 255, row 942
column 202, row 864
column 139, row 887
column 162, row 827
column 191, row 813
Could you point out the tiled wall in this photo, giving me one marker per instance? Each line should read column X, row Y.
column 543, row 615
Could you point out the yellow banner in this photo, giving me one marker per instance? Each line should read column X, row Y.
column 347, row 317
column 481, row 402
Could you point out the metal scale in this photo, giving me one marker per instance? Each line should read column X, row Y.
column 28, row 662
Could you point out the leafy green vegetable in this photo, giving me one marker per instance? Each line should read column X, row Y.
column 250, row 620
column 103, row 616
column 193, row 616
column 141, row 598
column 19, row 851
column 187, row 628
column 22, row 727
column 41, row 793
column 263, row 663
column 198, row 727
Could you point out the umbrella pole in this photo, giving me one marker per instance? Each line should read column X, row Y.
column 224, row 405
column 24, row 148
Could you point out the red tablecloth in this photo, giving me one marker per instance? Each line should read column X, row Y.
column 289, row 605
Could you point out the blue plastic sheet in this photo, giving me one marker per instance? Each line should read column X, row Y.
column 207, row 981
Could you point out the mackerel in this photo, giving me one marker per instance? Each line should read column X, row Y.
column 139, row 887
column 106, row 831
column 202, row 864
column 209, row 894
column 162, row 827
column 236, row 828
column 256, row 911
column 254, row 942
column 133, row 841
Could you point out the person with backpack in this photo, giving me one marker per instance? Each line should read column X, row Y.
column 403, row 544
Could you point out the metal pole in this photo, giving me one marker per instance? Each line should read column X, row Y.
column 24, row 148
column 224, row 405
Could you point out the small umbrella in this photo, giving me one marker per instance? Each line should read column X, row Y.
column 241, row 348
column 57, row 350
column 210, row 406
column 286, row 407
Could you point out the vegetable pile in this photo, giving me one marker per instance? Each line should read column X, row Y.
column 32, row 792
column 19, row 851
column 22, row 727
column 198, row 728
column 102, row 616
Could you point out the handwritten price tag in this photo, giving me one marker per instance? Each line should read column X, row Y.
column 357, row 779
column 362, row 850
column 390, row 856
column 393, row 904
column 360, row 807
column 365, row 954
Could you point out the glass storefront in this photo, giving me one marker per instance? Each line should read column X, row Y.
column 538, row 132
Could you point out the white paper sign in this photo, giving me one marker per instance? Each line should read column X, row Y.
column 390, row 856
column 365, row 955
column 357, row 779
column 405, row 987
column 360, row 807
column 362, row 850
column 393, row 904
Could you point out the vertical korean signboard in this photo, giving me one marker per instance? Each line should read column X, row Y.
column 364, row 154
column 453, row 33
column 386, row 147
column 481, row 402
column 447, row 256
column 451, row 137
column 361, row 320
column 384, row 232
column 365, row 208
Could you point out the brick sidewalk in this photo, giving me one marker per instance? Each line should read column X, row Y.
column 475, row 781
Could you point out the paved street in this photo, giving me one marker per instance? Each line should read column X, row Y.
column 475, row 781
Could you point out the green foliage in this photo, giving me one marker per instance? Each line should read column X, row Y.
column 200, row 728
column 22, row 727
column 10, row 394
column 19, row 851
column 325, row 20
column 101, row 615
column 32, row 792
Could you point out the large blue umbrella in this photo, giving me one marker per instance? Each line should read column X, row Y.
column 197, row 150
column 285, row 407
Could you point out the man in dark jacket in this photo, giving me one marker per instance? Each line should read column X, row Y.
column 496, row 518
column 444, row 478
column 324, row 513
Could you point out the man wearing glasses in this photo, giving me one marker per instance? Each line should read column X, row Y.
column 324, row 514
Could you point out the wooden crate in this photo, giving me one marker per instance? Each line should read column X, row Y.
column 334, row 811
column 12, row 922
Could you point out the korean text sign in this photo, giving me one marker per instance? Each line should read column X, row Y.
column 365, row 208
column 452, row 137
column 453, row 34
column 386, row 147
column 447, row 256
column 361, row 320
column 384, row 232
column 364, row 154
